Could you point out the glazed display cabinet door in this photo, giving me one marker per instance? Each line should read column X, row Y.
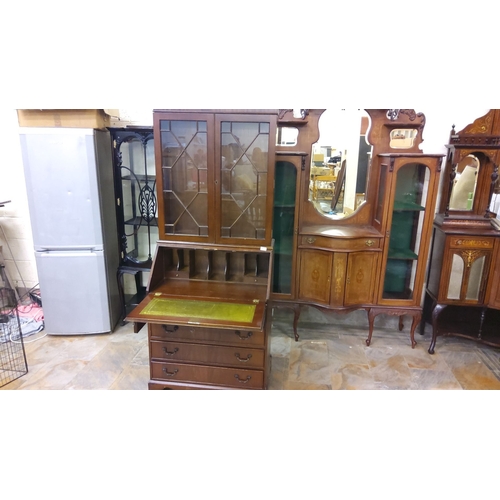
column 215, row 177
column 315, row 268
column 284, row 223
column 136, row 192
column 409, row 216
column 466, row 270
column 244, row 173
column 184, row 153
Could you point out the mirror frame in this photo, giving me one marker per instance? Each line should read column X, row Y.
column 382, row 123
column 481, row 139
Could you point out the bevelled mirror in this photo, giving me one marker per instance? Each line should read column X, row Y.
column 339, row 163
column 463, row 190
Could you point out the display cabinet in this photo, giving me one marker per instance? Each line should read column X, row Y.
column 206, row 307
column 372, row 257
column 464, row 274
column 405, row 211
column 136, row 209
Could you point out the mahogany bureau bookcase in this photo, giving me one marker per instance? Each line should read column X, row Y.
column 207, row 298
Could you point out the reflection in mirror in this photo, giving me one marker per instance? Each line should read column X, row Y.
column 456, row 277
column 340, row 160
column 403, row 138
column 464, row 185
column 475, row 278
column 287, row 136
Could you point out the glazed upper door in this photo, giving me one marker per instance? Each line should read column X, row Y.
column 215, row 177
column 184, row 148
column 244, row 178
column 407, row 220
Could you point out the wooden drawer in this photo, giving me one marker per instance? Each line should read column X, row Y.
column 471, row 242
column 198, row 374
column 253, row 338
column 207, row 354
column 340, row 244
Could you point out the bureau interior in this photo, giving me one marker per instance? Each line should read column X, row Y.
column 226, row 270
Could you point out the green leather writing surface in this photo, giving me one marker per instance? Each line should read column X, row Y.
column 219, row 311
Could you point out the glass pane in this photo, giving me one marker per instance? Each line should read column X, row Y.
column 138, row 203
column 475, row 279
column 244, row 162
column 133, row 156
column 405, row 232
column 283, row 225
column 456, row 277
column 184, row 162
column 150, row 158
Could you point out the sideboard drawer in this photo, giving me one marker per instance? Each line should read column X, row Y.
column 254, row 338
column 347, row 244
column 207, row 354
column 228, row 377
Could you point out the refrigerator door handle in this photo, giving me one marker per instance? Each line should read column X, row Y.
column 61, row 250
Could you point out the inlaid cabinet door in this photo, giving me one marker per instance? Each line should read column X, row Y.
column 315, row 270
column 466, row 269
column 360, row 281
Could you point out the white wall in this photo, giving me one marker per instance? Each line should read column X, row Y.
column 16, row 238
column 15, row 227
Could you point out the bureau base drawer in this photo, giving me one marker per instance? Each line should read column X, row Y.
column 210, row 375
column 207, row 335
column 172, row 386
column 207, row 354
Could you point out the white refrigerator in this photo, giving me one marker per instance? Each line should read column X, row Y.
column 69, row 181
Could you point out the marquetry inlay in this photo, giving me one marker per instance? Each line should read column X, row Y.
column 360, row 276
column 470, row 256
column 473, row 243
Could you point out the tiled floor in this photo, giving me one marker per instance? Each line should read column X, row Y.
column 331, row 354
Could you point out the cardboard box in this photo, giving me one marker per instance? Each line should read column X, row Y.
column 71, row 118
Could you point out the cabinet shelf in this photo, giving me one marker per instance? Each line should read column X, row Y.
column 140, row 177
column 285, row 246
column 137, row 221
column 402, row 255
column 404, row 206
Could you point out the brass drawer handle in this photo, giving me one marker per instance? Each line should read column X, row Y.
column 175, row 351
column 237, row 377
column 170, row 328
column 168, row 374
column 249, row 334
column 369, row 243
column 243, row 360
column 310, row 240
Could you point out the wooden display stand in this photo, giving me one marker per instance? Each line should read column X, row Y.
column 465, row 262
